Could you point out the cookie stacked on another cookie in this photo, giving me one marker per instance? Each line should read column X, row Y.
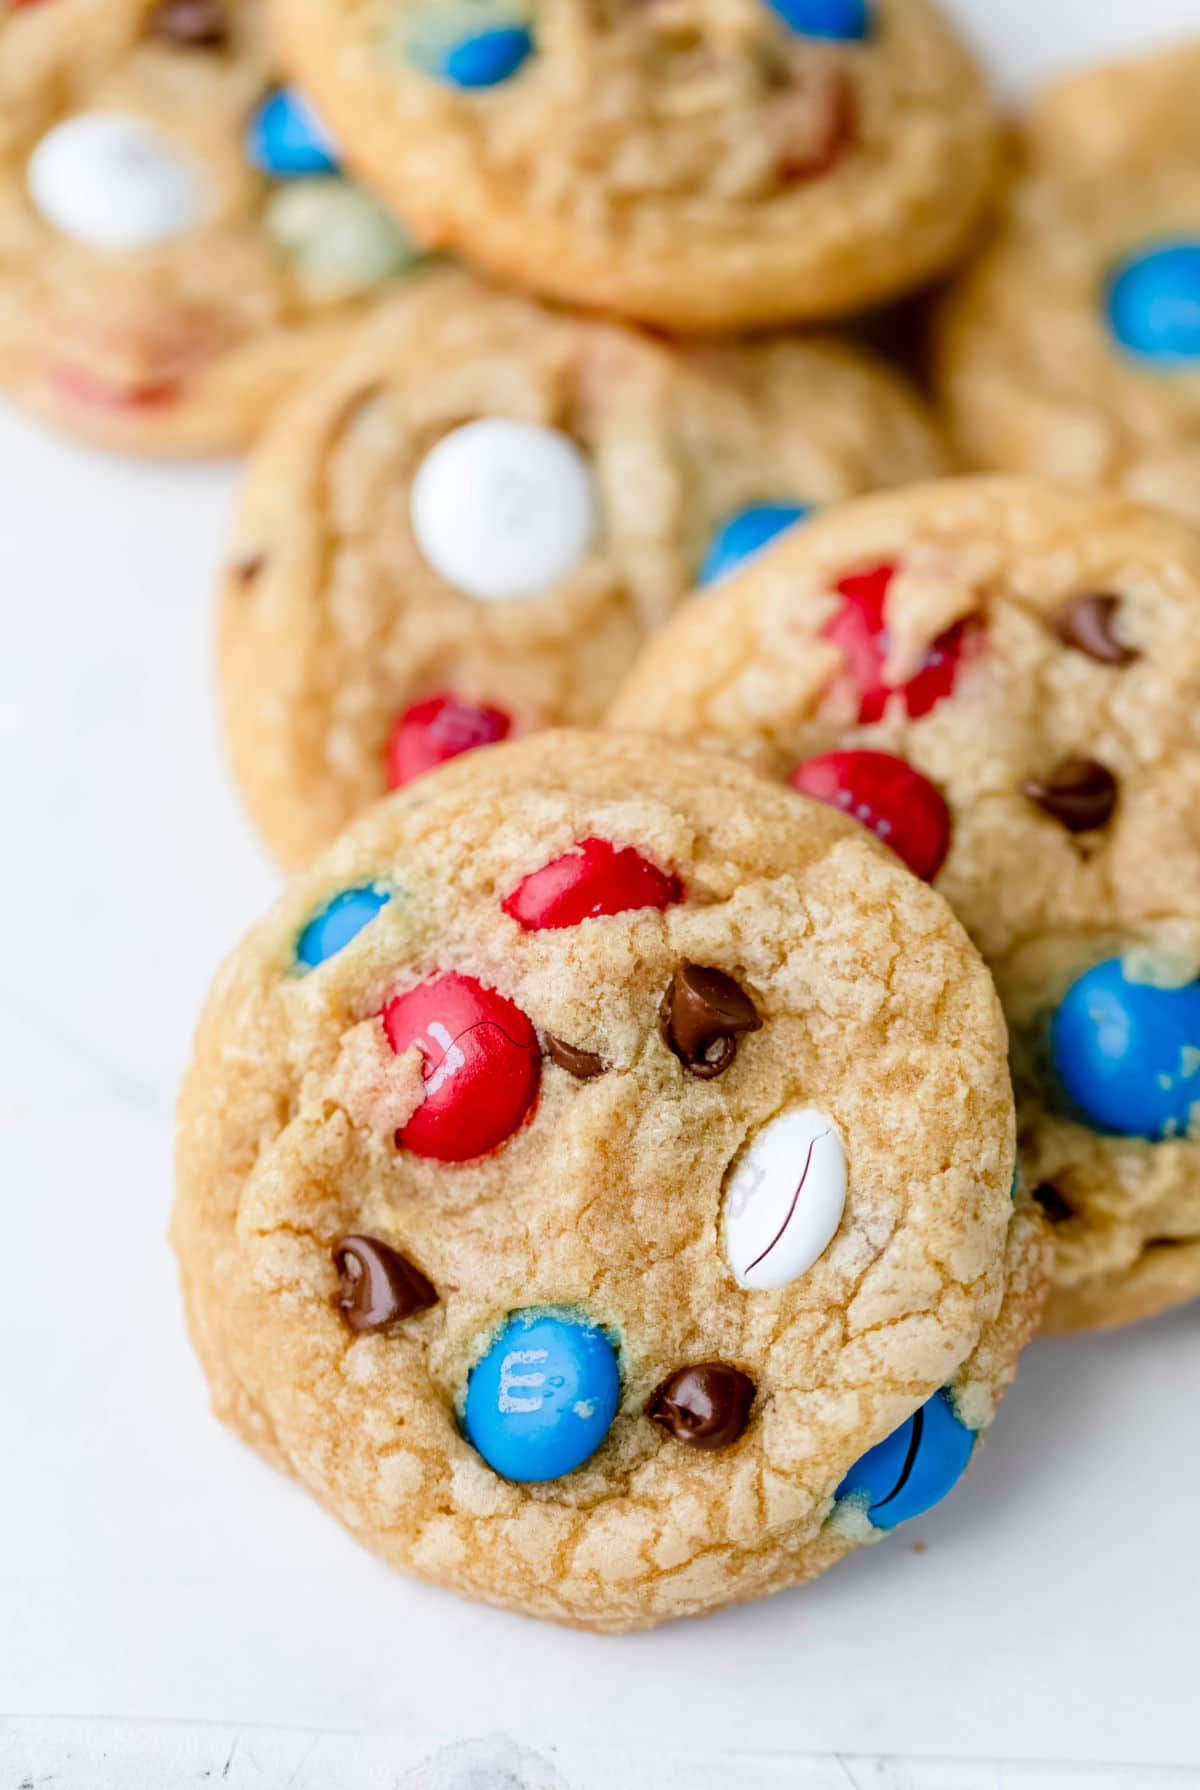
column 697, row 164
column 176, row 242
column 1071, row 349
column 595, row 1184
column 1001, row 680
column 465, row 527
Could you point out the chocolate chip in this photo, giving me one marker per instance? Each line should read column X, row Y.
column 1079, row 793
column 1087, row 624
column 246, row 572
column 1056, row 1208
column 378, row 1286
column 192, row 24
column 703, row 1014
column 584, row 1065
column 706, row 1406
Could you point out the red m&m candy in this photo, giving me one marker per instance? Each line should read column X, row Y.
column 860, row 630
column 482, row 1064
column 886, row 794
column 594, row 879
column 440, row 728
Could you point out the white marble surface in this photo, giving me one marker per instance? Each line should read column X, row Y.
column 169, row 1611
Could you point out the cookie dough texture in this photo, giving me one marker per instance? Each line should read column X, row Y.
column 1031, row 377
column 876, row 1009
column 185, row 346
column 695, row 164
column 332, row 621
column 746, row 669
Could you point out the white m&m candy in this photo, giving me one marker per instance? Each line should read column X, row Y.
column 113, row 181
column 503, row 509
column 785, row 1199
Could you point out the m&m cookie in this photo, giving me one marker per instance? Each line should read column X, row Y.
column 698, row 164
column 176, row 239
column 1071, row 349
column 595, row 1184
column 1000, row 680
column 466, row 524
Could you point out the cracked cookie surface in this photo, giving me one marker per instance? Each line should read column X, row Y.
column 176, row 245
column 350, row 659
column 661, row 961
column 1070, row 349
column 1017, row 713
column 699, row 164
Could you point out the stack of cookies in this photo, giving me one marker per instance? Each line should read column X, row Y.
column 620, row 1175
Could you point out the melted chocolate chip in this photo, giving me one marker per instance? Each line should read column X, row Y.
column 706, row 1406
column 190, row 24
column 1056, row 1208
column 584, row 1065
column 704, row 1013
column 378, row 1286
column 1079, row 793
column 1087, row 624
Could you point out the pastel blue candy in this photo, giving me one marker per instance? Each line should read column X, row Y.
column 542, row 1397
column 1128, row 1055
column 487, row 58
column 824, row 18
column 1154, row 303
column 747, row 532
column 287, row 140
column 914, row 1468
column 338, row 922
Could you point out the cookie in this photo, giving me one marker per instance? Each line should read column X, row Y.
column 176, row 244
column 465, row 528
column 697, row 164
column 1001, row 679
column 1071, row 350
column 595, row 1184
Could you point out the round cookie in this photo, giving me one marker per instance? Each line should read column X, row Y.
column 464, row 528
column 699, row 164
column 618, row 1223
column 1071, row 349
column 1001, row 679
column 176, row 243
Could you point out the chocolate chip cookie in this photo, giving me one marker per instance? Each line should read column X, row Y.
column 176, row 242
column 464, row 528
column 595, row 1184
column 697, row 164
column 1000, row 679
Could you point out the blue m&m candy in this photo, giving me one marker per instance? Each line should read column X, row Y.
column 1127, row 1054
column 287, row 140
column 745, row 533
column 1154, row 303
column 842, row 19
column 486, row 58
column 914, row 1468
column 541, row 1399
column 341, row 920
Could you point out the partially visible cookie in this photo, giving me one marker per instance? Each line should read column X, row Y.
column 595, row 1185
column 1071, row 349
column 464, row 528
column 698, row 164
column 1001, row 679
column 176, row 244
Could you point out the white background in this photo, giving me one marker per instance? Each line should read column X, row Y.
column 189, row 1612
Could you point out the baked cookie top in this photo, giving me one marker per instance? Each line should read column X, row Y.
column 465, row 525
column 1071, row 348
column 595, row 1184
column 175, row 240
column 700, row 164
column 1001, row 679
